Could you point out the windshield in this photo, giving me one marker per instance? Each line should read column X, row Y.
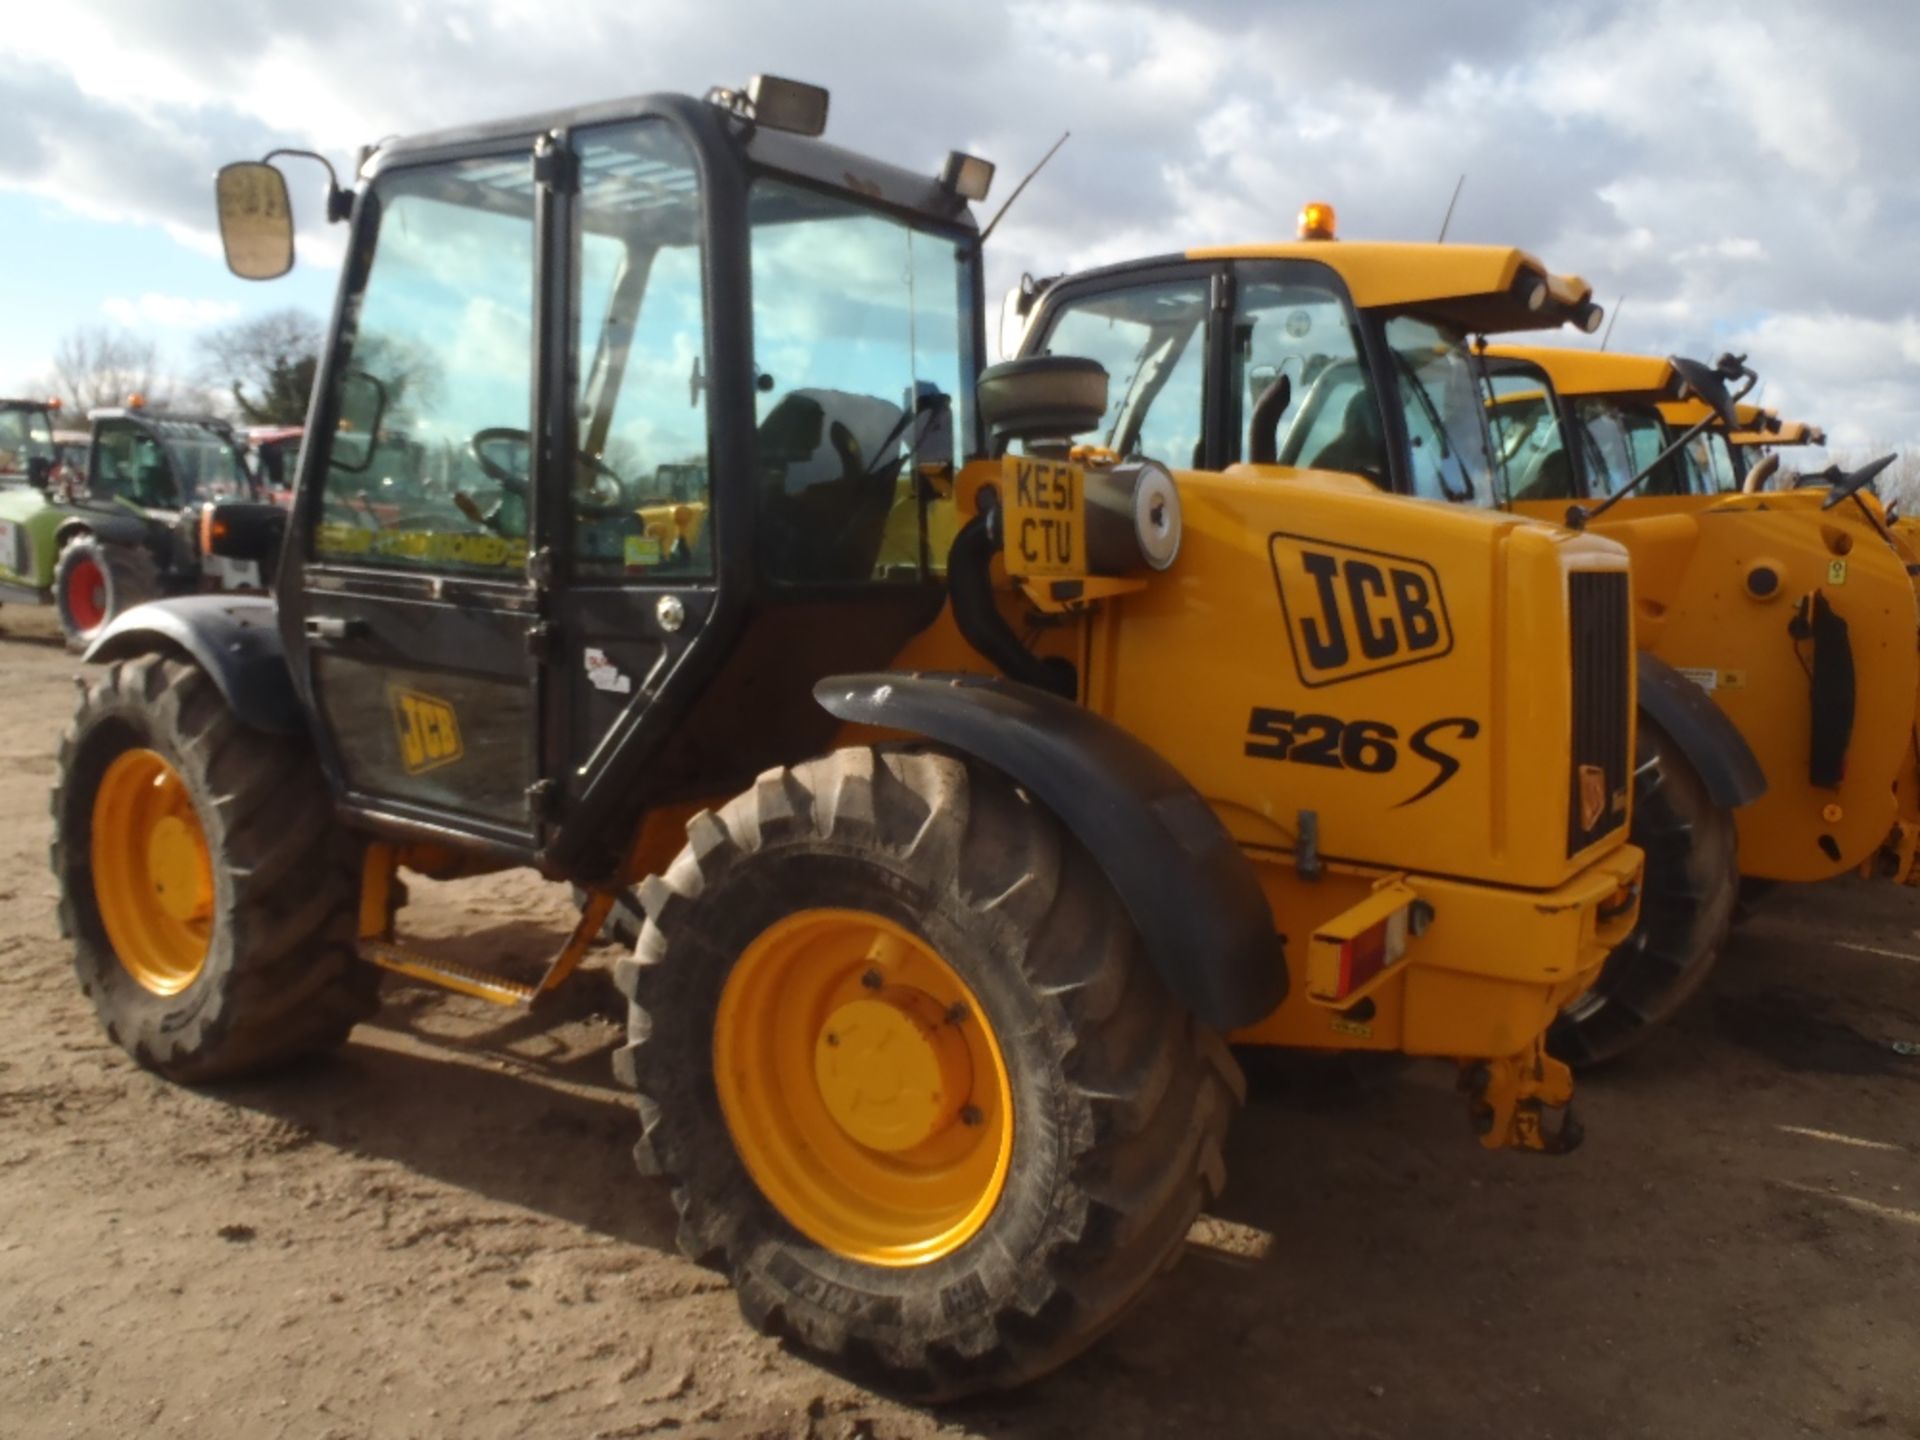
column 1710, row 468
column 1620, row 439
column 162, row 464
column 1151, row 341
column 1527, row 439
column 1439, row 390
column 26, row 434
column 864, row 361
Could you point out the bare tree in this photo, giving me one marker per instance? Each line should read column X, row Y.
column 266, row 364
column 97, row 365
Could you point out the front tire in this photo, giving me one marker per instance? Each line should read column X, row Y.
column 210, row 896
column 1692, row 881
column 95, row 582
column 1077, row 1112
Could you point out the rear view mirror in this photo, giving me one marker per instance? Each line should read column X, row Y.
column 363, row 403
column 1708, row 386
column 256, row 220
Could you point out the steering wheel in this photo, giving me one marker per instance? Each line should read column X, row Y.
column 598, row 491
column 1851, row 485
column 1761, row 472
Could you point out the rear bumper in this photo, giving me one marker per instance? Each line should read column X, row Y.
column 1482, row 981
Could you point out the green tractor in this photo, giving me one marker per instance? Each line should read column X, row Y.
column 30, row 519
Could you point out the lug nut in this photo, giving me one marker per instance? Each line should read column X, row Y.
column 871, row 979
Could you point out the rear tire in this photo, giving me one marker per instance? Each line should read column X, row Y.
column 1119, row 1098
column 1686, row 907
column 280, row 977
column 95, row 582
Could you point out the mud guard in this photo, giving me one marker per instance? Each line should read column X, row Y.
column 1711, row 742
column 114, row 529
column 235, row 639
column 1187, row 886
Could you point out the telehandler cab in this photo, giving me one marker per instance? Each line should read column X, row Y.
column 1354, row 356
column 1792, row 611
column 956, row 861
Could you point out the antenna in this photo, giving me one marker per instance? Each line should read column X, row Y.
column 1065, row 135
column 1448, row 219
column 1610, row 319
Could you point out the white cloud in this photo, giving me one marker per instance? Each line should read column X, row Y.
column 1717, row 167
column 172, row 312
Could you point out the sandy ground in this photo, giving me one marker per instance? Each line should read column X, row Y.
column 439, row 1232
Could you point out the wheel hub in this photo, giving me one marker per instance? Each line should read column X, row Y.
column 863, row 1087
column 152, row 872
column 892, row 1071
column 177, row 866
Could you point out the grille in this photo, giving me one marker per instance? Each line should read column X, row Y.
column 1602, row 652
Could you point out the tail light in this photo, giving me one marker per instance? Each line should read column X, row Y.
column 1356, row 947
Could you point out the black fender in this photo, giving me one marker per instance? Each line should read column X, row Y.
column 107, row 526
column 234, row 638
column 1713, row 745
column 1188, row 887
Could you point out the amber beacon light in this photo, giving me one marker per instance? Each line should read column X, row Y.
column 1316, row 220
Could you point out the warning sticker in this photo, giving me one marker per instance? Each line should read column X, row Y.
column 1708, row 680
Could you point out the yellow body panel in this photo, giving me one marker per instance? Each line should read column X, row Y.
column 1187, row 664
column 1691, row 557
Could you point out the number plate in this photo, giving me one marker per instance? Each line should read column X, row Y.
column 1046, row 517
column 10, row 558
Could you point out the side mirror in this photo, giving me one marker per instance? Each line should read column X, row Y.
column 1044, row 397
column 363, row 403
column 39, row 472
column 256, row 220
column 1708, row 386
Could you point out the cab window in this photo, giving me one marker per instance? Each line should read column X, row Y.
column 1152, row 339
column 130, row 464
column 1710, row 465
column 1527, row 439
column 863, row 352
column 641, row 491
column 428, row 465
column 1439, row 392
column 24, row 435
column 1298, row 329
column 1622, row 440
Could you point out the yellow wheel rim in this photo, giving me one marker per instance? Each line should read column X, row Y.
column 863, row 1087
column 152, row 872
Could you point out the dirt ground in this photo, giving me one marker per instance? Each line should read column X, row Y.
column 440, row 1231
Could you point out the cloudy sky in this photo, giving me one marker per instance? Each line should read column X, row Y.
column 1746, row 176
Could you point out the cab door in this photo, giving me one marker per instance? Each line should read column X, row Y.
column 409, row 604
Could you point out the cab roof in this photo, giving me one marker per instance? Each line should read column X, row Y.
column 1757, row 425
column 1597, row 372
column 800, row 156
column 1482, row 288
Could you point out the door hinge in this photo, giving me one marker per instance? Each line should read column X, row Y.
column 540, row 567
column 1222, row 297
column 543, row 799
column 553, row 164
column 540, row 640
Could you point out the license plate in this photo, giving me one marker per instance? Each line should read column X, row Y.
column 10, row 547
column 1045, row 517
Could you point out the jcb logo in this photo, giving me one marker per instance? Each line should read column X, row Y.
column 429, row 731
column 1353, row 612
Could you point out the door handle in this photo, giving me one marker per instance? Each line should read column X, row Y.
column 333, row 627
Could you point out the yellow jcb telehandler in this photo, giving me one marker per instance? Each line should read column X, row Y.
column 957, row 862
column 1357, row 357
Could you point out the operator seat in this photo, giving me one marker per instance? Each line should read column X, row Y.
column 1359, row 448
